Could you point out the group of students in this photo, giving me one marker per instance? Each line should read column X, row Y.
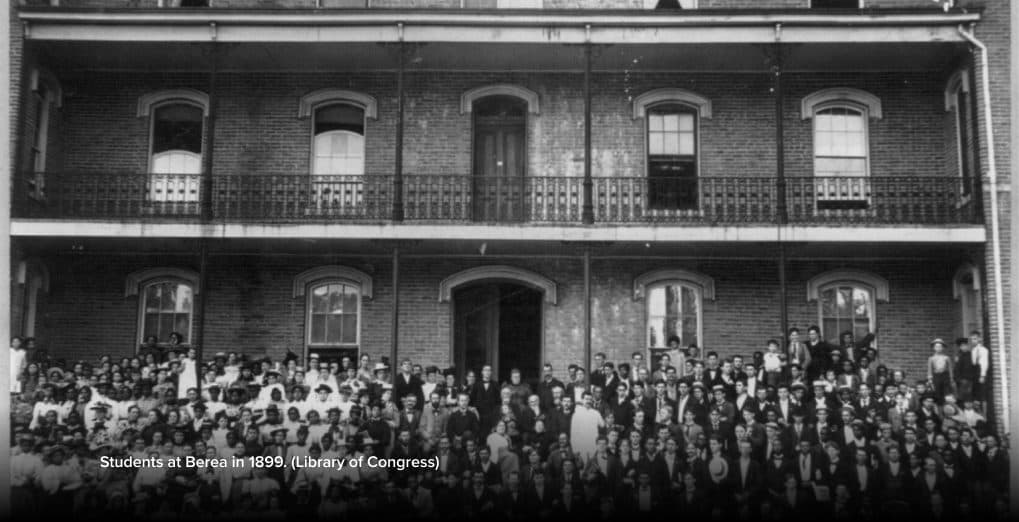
column 801, row 429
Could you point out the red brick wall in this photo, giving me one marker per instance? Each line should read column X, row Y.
column 251, row 308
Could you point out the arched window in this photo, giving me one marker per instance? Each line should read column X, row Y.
column 338, row 146
column 334, row 310
column 672, row 156
column 48, row 94
column 966, row 287
column 166, row 306
column 674, row 309
column 846, row 307
column 847, row 301
column 841, row 118
column 958, row 101
column 176, row 152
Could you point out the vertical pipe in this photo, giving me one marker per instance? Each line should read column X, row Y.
column 395, row 327
column 780, row 183
column 205, row 192
column 587, row 213
column 5, row 260
column 398, row 167
column 203, row 289
column 587, row 308
column 782, row 291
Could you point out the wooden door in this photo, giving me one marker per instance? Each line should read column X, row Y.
column 476, row 323
column 499, row 159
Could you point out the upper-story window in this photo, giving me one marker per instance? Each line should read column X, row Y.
column 672, row 134
column 47, row 96
column 176, row 140
column 841, row 145
column 672, row 156
column 958, row 102
column 339, row 140
column 338, row 129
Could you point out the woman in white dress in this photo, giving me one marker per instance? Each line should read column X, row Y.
column 18, row 361
column 188, row 377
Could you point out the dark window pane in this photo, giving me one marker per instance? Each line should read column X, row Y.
column 339, row 117
column 349, row 334
column 177, row 127
column 500, row 107
column 318, row 329
column 334, row 325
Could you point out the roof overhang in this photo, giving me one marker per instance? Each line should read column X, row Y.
column 542, row 26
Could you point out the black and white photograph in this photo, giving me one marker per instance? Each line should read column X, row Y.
column 509, row 260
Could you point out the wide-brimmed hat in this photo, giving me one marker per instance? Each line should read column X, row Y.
column 380, row 367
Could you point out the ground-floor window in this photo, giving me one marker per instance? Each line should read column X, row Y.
column 333, row 313
column 846, row 307
column 166, row 308
column 673, row 310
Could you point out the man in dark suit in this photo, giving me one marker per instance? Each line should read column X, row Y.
column 620, row 405
column 463, row 419
column 775, row 471
column 863, row 481
column 406, row 383
column 410, row 415
column 642, row 402
column 597, row 374
column 479, row 501
column 514, row 501
column 746, row 476
column 545, row 387
column 486, row 400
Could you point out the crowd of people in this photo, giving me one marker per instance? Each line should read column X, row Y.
column 801, row 429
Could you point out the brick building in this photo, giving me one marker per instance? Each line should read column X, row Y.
column 459, row 181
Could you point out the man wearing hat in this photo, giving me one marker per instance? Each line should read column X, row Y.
column 939, row 370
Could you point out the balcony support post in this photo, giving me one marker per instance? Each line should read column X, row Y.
column 587, row 308
column 398, row 153
column 198, row 335
column 205, row 190
column 782, row 214
column 394, row 332
column 587, row 211
column 783, row 308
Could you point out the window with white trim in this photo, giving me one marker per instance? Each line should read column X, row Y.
column 841, row 156
column 334, row 310
column 672, row 156
column 674, row 309
column 175, row 161
column 337, row 157
column 166, row 306
column 846, row 306
column 959, row 103
column 967, row 289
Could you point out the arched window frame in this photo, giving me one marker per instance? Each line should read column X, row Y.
column 136, row 283
column 142, row 305
column 970, row 316
column 959, row 85
column 702, row 285
column 305, row 283
column 874, row 284
column 468, row 98
column 309, row 294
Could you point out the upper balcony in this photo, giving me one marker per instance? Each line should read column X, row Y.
column 437, row 198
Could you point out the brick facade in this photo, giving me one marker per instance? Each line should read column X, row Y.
column 250, row 306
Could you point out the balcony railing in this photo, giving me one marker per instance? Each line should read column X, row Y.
column 912, row 200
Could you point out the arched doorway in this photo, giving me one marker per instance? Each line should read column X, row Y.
column 497, row 323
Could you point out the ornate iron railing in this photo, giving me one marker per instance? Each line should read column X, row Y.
column 909, row 200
